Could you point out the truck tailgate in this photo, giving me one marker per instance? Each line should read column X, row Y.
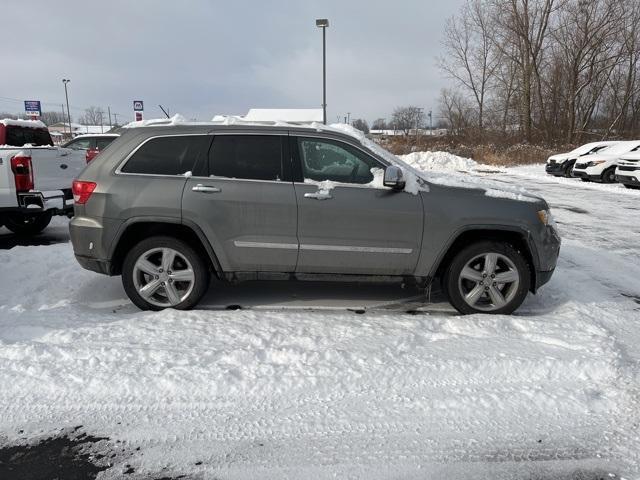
column 55, row 168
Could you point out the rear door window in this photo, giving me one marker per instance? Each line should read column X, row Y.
column 252, row 157
column 174, row 155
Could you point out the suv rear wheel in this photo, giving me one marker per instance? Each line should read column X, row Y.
column 487, row 277
column 164, row 272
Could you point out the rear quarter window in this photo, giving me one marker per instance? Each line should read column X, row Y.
column 174, row 155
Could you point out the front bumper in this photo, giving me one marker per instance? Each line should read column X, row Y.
column 584, row 174
column 556, row 169
column 629, row 180
column 543, row 277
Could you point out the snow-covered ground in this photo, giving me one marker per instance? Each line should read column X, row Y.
column 299, row 386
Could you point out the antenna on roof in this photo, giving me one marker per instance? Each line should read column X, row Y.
column 164, row 111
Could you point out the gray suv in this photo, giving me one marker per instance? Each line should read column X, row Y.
column 167, row 207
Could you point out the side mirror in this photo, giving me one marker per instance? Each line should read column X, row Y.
column 393, row 177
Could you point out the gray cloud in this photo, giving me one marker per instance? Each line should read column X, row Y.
column 202, row 58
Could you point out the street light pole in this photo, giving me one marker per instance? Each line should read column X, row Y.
column 66, row 94
column 324, row 23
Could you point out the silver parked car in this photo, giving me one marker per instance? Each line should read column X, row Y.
column 166, row 207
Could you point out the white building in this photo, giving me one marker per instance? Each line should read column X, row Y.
column 290, row 115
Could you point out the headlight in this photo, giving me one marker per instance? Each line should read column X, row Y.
column 594, row 163
column 546, row 217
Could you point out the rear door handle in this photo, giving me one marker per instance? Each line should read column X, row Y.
column 318, row 195
column 205, row 188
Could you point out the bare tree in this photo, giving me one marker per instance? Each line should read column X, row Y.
column 455, row 111
column 407, row 118
column 92, row 116
column 49, row 118
column 586, row 41
column 471, row 56
column 379, row 124
column 522, row 33
column 361, row 125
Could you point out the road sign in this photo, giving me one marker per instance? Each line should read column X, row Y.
column 138, row 105
column 138, row 116
column 32, row 107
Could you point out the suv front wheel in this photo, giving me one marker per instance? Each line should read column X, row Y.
column 164, row 272
column 487, row 277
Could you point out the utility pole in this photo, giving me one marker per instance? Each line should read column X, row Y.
column 64, row 126
column 115, row 118
column 66, row 94
column 100, row 112
column 349, row 118
column 418, row 114
column 323, row 23
column 109, row 110
column 430, row 123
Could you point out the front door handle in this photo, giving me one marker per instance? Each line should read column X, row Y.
column 318, row 195
column 205, row 188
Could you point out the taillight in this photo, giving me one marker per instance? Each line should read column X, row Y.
column 91, row 154
column 82, row 191
column 22, row 172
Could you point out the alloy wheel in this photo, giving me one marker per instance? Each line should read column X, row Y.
column 488, row 281
column 163, row 277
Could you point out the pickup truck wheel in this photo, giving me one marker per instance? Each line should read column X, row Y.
column 487, row 277
column 23, row 224
column 164, row 272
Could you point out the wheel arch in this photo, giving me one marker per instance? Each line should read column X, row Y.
column 135, row 230
column 516, row 237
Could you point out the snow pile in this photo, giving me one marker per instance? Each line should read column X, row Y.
column 312, row 394
column 22, row 123
column 438, row 161
column 177, row 119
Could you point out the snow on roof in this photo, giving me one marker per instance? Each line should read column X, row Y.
column 23, row 123
column 296, row 115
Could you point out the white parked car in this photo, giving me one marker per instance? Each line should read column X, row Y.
column 601, row 166
column 561, row 164
column 35, row 176
column 628, row 171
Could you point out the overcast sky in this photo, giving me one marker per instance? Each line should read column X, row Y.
column 206, row 57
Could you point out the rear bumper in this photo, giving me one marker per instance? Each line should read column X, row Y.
column 57, row 202
column 95, row 265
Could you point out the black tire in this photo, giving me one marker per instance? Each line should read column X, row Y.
column 609, row 175
column 198, row 265
column 633, row 187
column 452, row 281
column 22, row 224
column 568, row 170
